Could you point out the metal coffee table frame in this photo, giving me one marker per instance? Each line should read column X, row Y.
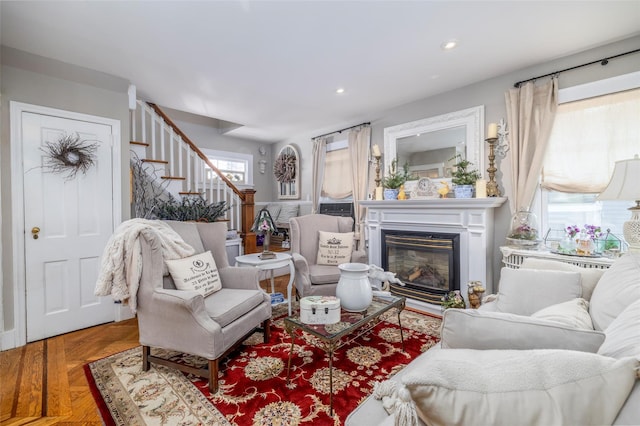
column 352, row 325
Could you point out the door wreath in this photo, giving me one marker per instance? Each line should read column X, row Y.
column 69, row 155
column 284, row 168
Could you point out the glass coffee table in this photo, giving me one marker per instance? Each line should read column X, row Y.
column 352, row 325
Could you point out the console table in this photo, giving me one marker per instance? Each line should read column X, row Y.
column 513, row 257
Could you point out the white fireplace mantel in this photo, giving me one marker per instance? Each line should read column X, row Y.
column 472, row 218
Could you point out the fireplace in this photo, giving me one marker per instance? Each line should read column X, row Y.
column 428, row 263
column 471, row 219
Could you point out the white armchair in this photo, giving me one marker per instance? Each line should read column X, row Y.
column 313, row 279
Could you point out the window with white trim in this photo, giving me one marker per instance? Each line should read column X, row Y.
column 596, row 125
column 236, row 167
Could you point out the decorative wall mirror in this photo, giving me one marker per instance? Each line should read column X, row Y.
column 286, row 170
column 427, row 145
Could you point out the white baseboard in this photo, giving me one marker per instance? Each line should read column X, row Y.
column 8, row 340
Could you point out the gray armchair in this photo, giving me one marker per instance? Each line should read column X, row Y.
column 185, row 321
column 312, row 279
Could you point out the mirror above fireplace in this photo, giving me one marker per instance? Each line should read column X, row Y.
column 428, row 144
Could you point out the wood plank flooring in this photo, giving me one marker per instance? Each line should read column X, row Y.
column 43, row 383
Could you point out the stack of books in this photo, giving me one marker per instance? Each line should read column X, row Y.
column 277, row 298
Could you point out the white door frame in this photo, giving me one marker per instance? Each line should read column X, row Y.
column 19, row 337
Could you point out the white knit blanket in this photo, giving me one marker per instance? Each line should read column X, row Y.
column 121, row 266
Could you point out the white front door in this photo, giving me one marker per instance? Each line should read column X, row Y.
column 67, row 222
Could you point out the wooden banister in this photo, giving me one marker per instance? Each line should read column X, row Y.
column 195, row 149
column 248, row 215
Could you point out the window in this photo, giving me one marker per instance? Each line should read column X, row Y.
column 236, row 167
column 596, row 124
column 336, row 184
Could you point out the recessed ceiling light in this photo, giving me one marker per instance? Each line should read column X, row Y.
column 449, row 44
column 339, row 90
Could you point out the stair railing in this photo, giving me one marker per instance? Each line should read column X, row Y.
column 185, row 162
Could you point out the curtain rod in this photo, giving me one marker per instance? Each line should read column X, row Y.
column 342, row 130
column 602, row 62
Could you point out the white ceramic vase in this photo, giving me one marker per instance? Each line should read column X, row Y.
column 354, row 289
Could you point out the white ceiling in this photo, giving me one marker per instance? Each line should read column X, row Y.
column 274, row 66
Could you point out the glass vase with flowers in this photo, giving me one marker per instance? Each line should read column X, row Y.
column 580, row 241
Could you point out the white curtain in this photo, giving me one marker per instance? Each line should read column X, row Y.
column 359, row 155
column 319, row 154
column 337, row 174
column 531, row 111
column 588, row 137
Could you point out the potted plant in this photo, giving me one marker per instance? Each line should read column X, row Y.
column 394, row 180
column 189, row 209
column 463, row 179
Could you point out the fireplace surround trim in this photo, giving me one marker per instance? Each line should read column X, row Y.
column 471, row 218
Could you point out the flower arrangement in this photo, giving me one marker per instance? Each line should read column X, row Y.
column 524, row 232
column 453, row 299
column 592, row 231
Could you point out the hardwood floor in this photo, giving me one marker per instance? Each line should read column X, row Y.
column 43, row 383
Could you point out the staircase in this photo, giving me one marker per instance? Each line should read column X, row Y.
column 182, row 170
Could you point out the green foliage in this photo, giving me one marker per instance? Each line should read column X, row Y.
column 462, row 176
column 189, row 208
column 395, row 178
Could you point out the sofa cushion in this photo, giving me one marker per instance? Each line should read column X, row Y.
column 334, row 248
column 274, row 210
column 618, row 288
column 229, row 304
column 323, row 274
column 623, row 334
column 287, row 211
column 545, row 387
column 525, row 291
column 590, row 276
column 198, row 273
column 473, row 329
column 573, row 313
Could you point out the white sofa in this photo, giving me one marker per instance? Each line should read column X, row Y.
column 534, row 355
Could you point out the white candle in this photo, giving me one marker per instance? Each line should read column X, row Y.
column 376, row 151
column 481, row 188
column 379, row 193
column 493, row 131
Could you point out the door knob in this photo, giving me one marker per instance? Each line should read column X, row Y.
column 34, row 232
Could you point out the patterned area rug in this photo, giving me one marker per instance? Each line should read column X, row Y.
column 253, row 385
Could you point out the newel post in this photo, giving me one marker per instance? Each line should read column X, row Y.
column 248, row 215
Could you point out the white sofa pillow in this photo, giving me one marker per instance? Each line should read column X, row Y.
column 473, row 329
column 287, row 211
column 504, row 387
column 623, row 334
column 573, row 313
column 334, row 248
column 525, row 291
column 590, row 276
column 618, row 288
column 198, row 273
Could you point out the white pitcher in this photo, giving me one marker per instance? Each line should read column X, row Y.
column 354, row 289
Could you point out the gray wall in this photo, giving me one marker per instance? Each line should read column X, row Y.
column 35, row 80
column 489, row 93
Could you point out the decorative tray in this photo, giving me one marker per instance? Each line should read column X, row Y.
column 573, row 253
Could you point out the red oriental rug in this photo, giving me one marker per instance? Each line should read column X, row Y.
column 253, row 384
